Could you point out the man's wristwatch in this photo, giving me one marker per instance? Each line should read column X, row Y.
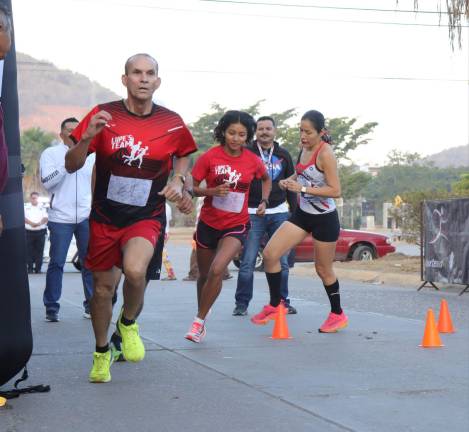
column 181, row 176
column 303, row 189
column 265, row 200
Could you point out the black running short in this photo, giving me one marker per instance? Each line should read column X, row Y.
column 154, row 266
column 323, row 227
column 207, row 237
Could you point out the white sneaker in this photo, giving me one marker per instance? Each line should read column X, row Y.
column 197, row 331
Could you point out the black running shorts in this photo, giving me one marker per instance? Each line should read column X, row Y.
column 154, row 266
column 207, row 237
column 323, row 227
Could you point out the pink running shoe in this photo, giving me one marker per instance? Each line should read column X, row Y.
column 267, row 313
column 334, row 323
column 197, row 331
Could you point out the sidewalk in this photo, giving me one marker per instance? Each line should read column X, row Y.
column 371, row 376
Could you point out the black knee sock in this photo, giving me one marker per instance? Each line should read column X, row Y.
column 334, row 297
column 102, row 349
column 274, row 281
column 126, row 321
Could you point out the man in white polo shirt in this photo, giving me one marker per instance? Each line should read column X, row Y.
column 35, row 218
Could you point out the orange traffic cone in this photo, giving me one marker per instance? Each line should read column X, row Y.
column 281, row 327
column 445, row 324
column 431, row 337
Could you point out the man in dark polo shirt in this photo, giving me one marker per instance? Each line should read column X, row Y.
column 279, row 165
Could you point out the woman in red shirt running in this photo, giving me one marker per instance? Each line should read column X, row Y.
column 317, row 181
column 228, row 169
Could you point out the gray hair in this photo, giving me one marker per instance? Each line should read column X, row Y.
column 132, row 58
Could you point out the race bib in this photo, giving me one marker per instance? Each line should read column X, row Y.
column 233, row 202
column 128, row 190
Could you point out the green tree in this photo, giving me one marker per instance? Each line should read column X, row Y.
column 353, row 182
column 409, row 214
column 345, row 134
column 202, row 128
column 404, row 173
column 461, row 187
column 33, row 142
column 397, row 157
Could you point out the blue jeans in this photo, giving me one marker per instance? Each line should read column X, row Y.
column 60, row 239
column 260, row 226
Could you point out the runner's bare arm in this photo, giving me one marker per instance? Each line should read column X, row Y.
column 283, row 183
column 76, row 156
column 221, row 190
column 185, row 204
column 173, row 189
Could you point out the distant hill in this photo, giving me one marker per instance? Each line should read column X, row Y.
column 452, row 157
column 47, row 94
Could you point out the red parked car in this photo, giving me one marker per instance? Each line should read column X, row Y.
column 352, row 245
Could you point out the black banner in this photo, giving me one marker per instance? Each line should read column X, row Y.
column 15, row 332
column 446, row 241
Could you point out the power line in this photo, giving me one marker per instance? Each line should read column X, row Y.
column 371, row 78
column 117, row 3
column 30, row 67
column 289, row 5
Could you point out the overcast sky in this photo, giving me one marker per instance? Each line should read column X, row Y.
column 353, row 63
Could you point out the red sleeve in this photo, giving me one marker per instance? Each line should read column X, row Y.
column 81, row 128
column 260, row 168
column 186, row 144
column 201, row 168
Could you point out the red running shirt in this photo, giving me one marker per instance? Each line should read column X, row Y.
column 217, row 167
column 134, row 156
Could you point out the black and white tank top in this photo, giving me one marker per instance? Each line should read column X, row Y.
column 310, row 175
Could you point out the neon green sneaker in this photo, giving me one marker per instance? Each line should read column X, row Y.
column 132, row 346
column 101, row 370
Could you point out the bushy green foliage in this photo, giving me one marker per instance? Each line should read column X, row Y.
column 33, row 142
column 346, row 135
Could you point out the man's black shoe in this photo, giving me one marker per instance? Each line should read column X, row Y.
column 240, row 310
column 116, row 349
column 52, row 317
column 291, row 310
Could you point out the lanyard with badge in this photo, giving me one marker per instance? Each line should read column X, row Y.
column 267, row 160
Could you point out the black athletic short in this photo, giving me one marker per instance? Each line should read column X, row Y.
column 154, row 266
column 207, row 237
column 323, row 227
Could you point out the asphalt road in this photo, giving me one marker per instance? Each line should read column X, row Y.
column 370, row 377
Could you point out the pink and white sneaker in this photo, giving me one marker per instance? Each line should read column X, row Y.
column 197, row 331
column 267, row 313
column 334, row 323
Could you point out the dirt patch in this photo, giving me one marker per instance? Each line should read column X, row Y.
column 396, row 263
column 394, row 269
